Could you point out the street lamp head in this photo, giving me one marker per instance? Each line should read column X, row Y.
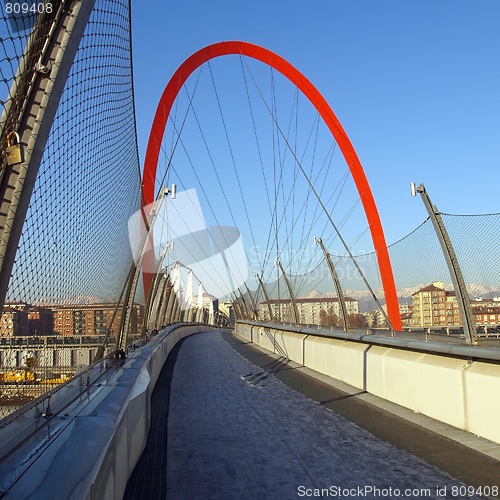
column 416, row 189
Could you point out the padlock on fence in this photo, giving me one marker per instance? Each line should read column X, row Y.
column 14, row 151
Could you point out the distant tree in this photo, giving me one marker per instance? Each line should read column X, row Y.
column 333, row 319
column 357, row 320
column 328, row 318
column 322, row 317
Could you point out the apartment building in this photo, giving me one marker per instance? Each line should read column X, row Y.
column 311, row 310
column 86, row 319
column 434, row 306
column 12, row 321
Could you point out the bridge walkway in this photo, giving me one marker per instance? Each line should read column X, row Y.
column 236, row 429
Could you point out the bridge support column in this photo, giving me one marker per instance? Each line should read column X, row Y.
column 176, row 313
column 157, row 302
column 187, row 303
column 121, row 342
column 199, row 305
column 252, row 301
column 155, row 294
column 236, row 306
column 172, row 299
column 244, row 303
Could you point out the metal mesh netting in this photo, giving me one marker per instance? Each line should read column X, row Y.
column 74, row 247
column 476, row 240
column 417, row 261
column 74, row 254
column 424, row 286
column 16, row 30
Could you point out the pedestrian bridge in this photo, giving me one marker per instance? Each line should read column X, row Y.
column 224, row 318
column 223, row 423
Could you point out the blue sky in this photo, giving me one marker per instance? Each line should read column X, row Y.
column 416, row 84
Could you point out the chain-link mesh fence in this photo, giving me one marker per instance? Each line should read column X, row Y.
column 426, row 295
column 74, row 255
column 19, row 30
column 476, row 240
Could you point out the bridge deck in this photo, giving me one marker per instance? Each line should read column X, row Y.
column 236, row 431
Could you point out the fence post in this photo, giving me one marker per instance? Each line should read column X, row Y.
column 340, row 293
column 268, row 301
column 453, row 266
column 292, row 296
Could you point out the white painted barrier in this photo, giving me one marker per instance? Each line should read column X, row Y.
column 98, row 439
column 455, row 384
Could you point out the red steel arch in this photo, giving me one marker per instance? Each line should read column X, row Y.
column 318, row 101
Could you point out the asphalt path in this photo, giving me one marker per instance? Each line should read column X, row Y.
column 228, row 420
column 236, row 430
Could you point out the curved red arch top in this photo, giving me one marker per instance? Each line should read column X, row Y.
column 317, row 100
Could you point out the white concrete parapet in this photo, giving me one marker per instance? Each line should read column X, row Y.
column 452, row 383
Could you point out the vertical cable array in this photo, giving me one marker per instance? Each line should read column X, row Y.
column 273, row 165
column 274, row 153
